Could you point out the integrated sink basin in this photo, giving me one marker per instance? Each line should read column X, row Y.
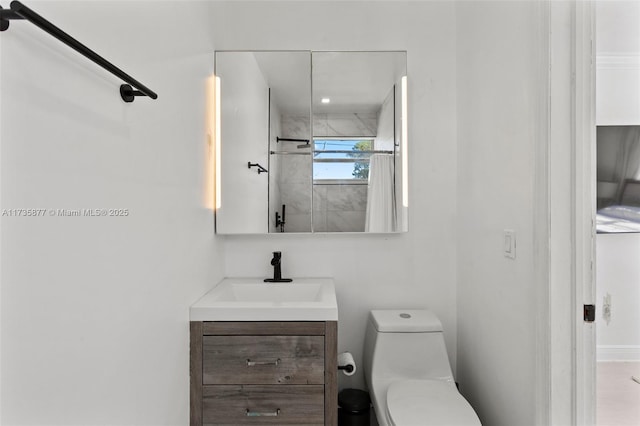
column 251, row 299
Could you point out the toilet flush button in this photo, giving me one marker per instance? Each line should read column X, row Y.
column 403, row 315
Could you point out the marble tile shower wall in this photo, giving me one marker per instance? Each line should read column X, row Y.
column 275, row 166
column 336, row 208
column 295, row 127
column 295, row 193
column 339, row 208
column 330, row 125
column 347, row 124
column 295, row 174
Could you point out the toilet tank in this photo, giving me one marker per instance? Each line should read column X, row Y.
column 405, row 344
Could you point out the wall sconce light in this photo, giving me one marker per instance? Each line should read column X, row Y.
column 405, row 154
column 212, row 149
column 218, row 193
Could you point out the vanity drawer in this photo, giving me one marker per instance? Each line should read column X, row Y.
column 263, row 360
column 263, row 405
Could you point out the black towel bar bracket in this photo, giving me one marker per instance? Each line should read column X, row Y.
column 20, row 11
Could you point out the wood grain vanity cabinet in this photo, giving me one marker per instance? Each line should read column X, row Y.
column 263, row 373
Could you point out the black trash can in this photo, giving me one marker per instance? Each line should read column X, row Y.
column 354, row 408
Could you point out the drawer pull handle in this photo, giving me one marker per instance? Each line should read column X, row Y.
column 259, row 414
column 252, row 363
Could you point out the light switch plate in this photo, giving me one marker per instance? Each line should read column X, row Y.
column 510, row 243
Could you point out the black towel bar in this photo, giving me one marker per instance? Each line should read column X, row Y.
column 20, row 11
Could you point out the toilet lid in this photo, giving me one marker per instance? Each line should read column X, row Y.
column 428, row 402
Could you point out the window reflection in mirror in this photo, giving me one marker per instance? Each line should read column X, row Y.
column 342, row 159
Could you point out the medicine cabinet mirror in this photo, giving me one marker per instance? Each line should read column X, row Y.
column 312, row 142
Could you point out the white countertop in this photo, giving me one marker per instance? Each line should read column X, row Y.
column 251, row 299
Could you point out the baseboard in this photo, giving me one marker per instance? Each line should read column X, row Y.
column 618, row 352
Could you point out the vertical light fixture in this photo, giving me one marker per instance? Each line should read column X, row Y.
column 405, row 156
column 209, row 149
column 212, row 149
column 218, row 159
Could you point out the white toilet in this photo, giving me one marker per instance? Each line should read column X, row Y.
column 408, row 373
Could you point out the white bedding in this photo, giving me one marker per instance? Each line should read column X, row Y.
column 618, row 219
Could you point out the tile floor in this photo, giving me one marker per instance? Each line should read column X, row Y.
column 618, row 397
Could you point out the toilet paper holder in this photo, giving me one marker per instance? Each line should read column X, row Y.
column 347, row 368
column 346, row 363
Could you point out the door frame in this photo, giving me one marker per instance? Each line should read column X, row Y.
column 566, row 389
column 584, row 195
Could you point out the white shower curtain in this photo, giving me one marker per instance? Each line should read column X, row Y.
column 381, row 204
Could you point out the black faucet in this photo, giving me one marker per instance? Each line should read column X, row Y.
column 277, row 271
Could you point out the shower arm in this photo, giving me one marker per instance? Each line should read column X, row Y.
column 291, row 140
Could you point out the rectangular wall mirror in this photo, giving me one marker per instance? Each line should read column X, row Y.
column 312, row 142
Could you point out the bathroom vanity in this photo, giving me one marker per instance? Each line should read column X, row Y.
column 280, row 369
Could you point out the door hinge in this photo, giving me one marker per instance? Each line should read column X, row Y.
column 589, row 313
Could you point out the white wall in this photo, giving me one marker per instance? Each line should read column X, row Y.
column 618, row 103
column 94, row 315
column 417, row 269
column 500, row 90
column 618, row 276
column 618, row 63
column 386, row 133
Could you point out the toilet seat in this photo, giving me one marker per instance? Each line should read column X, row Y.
column 428, row 402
